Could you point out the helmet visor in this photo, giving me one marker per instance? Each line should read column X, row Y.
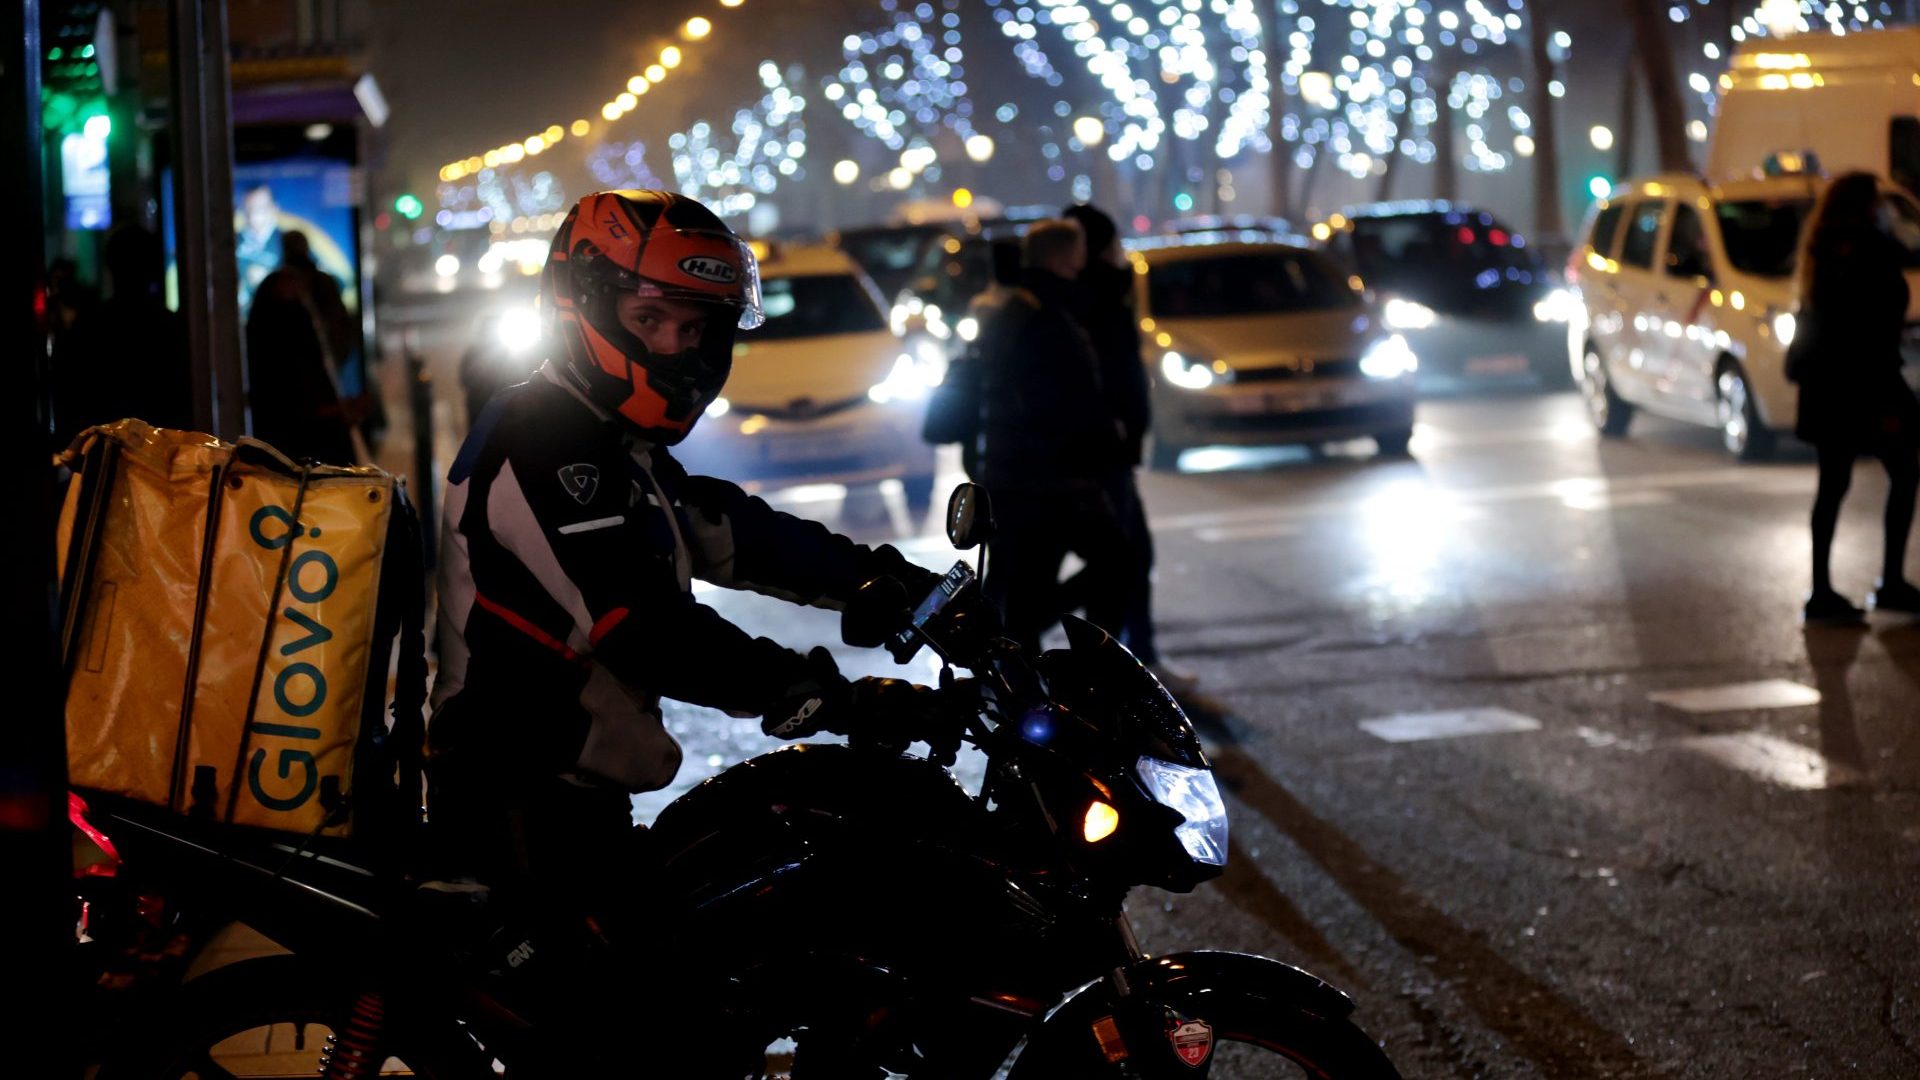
column 704, row 266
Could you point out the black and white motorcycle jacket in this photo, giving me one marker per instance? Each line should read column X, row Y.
column 565, row 591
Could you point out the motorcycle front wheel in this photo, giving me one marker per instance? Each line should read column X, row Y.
column 1257, row 1020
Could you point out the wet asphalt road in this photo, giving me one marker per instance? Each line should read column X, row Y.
column 1718, row 885
column 1627, row 889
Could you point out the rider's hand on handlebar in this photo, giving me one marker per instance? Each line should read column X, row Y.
column 821, row 700
column 887, row 713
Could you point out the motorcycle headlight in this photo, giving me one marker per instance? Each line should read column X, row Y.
column 1407, row 315
column 1194, row 795
column 910, row 380
column 1185, row 373
column 1784, row 325
column 1389, row 358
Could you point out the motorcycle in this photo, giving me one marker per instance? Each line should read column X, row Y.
column 861, row 902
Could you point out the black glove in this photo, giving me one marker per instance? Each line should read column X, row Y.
column 889, row 713
column 821, row 699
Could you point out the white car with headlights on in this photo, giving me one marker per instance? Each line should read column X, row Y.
column 1687, row 302
column 1261, row 344
column 824, row 393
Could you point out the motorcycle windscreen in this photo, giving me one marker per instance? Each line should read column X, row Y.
column 1101, row 679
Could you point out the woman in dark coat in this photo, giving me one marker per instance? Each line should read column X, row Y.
column 1853, row 401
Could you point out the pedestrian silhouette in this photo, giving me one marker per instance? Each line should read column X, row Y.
column 953, row 410
column 1853, row 401
column 1104, row 308
column 129, row 355
column 292, row 385
column 1048, row 443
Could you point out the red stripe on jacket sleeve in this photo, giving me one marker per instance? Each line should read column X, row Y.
column 520, row 623
column 605, row 624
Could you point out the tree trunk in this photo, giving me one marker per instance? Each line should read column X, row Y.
column 1384, row 190
column 1549, row 221
column 1663, row 85
column 1280, row 156
column 1304, row 203
column 1629, row 133
column 1446, row 171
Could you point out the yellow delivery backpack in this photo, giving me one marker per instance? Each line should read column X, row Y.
column 228, row 618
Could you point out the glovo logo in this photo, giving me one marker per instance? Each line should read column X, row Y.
column 300, row 689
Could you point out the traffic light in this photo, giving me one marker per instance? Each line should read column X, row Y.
column 409, row 206
column 1183, row 202
column 1599, row 186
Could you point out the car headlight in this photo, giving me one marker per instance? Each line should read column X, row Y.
column 910, row 380
column 931, row 355
column 1407, row 315
column 1784, row 325
column 1194, row 795
column 720, row 407
column 968, row 328
column 1185, row 373
column 519, row 329
column 1556, row 306
column 1389, row 358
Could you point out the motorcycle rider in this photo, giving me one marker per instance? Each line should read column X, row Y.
column 571, row 542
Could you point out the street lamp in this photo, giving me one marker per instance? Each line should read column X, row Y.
column 846, row 171
column 697, row 28
column 980, row 147
column 1089, row 130
column 899, row 179
column 1601, row 136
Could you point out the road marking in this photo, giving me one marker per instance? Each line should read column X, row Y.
column 1737, row 697
column 1604, row 501
column 1348, row 502
column 1449, row 724
column 1773, row 759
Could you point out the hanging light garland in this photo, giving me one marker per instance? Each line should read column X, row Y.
column 906, row 82
column 768, row 144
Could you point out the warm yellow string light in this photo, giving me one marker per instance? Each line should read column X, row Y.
column 697, row 28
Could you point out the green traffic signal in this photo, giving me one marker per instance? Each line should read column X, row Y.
column 1599, row 186
column 409, row 206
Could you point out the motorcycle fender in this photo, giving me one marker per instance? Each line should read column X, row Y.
column 1127, row 1013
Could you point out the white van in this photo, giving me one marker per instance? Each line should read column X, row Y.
column 1851, row 101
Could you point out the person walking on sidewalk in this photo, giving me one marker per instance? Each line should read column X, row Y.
column 1853, row 400
column 1048, row 442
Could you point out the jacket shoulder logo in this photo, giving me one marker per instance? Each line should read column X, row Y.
column 581, row 481
column 708, row 268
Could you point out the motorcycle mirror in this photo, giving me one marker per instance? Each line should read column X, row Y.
column 878, row 611
column 969, row 516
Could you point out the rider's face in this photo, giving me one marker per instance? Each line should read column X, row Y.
column 663, row 325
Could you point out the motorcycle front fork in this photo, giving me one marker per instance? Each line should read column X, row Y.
column 354, row 1053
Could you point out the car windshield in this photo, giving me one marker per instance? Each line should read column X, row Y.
column 888, row 254
column 1251, row 283
column 814, row 306
column 1762, row 236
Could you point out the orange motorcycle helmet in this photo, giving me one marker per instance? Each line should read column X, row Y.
column 648, row 244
